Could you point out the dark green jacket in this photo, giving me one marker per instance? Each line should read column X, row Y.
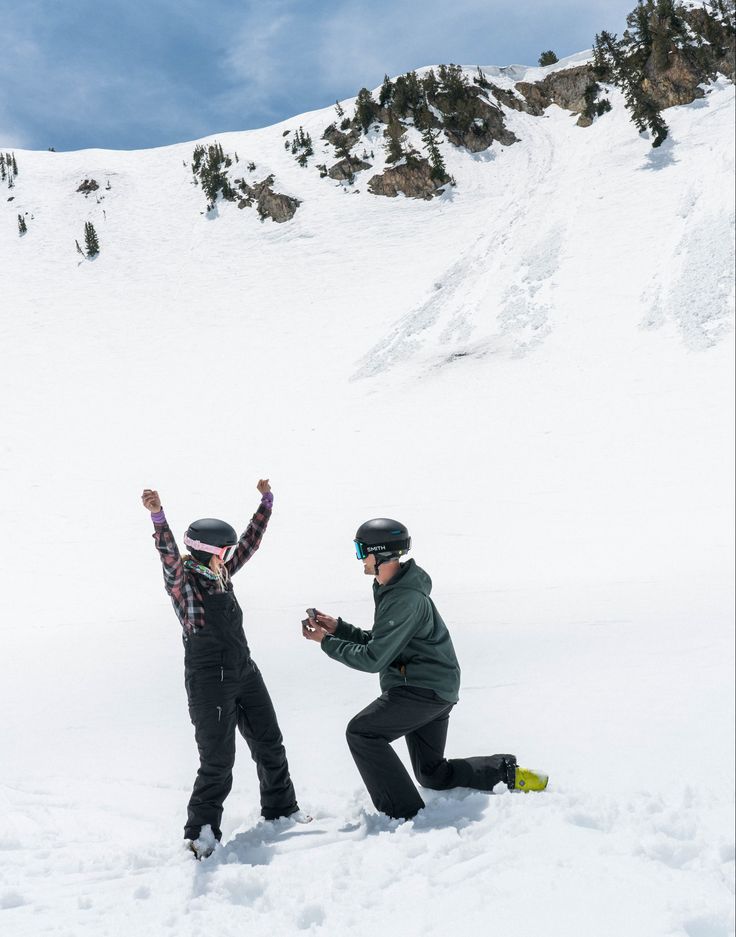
column 409, row 644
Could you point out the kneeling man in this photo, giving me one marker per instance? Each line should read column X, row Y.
column 410, row 648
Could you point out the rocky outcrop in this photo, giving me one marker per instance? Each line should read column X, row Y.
column 719, row 41
column 345, row 169
column 343, row 142
column 473, row 122
column 679, row 83
column 269, row 204
column 88, row 186
column 412, row 178
column 565, row 88
column 661, row 64
column 507, row 97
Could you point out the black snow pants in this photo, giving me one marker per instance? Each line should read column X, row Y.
column 226, row 692
column 422, row 718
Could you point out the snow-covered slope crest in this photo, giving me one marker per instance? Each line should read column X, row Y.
column 535, row 218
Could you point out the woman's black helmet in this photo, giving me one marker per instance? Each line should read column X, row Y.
column 210, row 537
column 383, row 536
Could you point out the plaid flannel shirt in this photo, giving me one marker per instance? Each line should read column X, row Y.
column 184, row 585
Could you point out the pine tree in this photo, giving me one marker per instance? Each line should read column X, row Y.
column 395, row 138
column 481, row 80
column 400, row 96
column 414, row 90
column 430, row 138
column 429, row 83
column 384, row 96
column 454, row 84
column 15, row 166
column 548, row 58
column 623, row 62
column 22, row 227
column 90, row 240
column 365, row 109
column 422, row 115
column 339, row 110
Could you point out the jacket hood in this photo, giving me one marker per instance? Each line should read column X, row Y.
column 410, row 576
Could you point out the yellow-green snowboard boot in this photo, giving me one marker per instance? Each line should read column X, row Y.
column 525, row 779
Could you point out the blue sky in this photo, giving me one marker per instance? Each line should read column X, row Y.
column 77, row 74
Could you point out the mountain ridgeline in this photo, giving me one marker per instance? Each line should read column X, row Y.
column 665, row 55
column 395, row 140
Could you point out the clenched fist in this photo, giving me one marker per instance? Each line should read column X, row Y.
column 151, row 500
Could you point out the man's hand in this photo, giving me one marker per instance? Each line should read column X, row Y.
column 326, row 622
column 151, row 500
column 312, row 631
column 263, row 485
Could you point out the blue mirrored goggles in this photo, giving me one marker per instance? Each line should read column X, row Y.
column 361, row 550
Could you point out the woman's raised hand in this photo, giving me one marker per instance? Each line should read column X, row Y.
column 151, row 500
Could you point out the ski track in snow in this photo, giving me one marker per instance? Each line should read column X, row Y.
column 464, row 296
column 469, row 313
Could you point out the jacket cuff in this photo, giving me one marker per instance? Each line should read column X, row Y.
column 158, row 517
column 328, row 641
column 342, row 630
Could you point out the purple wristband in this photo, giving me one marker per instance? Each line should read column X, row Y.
column 159, row 517
column 267, row 499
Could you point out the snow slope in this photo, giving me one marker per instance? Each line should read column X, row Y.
column 534, row 372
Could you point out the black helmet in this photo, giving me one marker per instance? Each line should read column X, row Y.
column 384, row 537
column 210, row 537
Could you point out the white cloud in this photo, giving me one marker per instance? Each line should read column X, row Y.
column 257, row 58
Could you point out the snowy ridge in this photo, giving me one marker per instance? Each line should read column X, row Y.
column 534, row 372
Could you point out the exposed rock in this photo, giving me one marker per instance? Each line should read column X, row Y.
column 720, row 39
column 383, row 114
column 535, row 96
column 269, row 204
column 677, row 84
column 673, row 76
column 507, row 97
column 340, row 140
column 345, row 169
column 89, row 185
column 412, row 178
column 566, row 88
column 473, row 123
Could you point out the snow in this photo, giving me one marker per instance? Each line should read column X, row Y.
column 534, row 372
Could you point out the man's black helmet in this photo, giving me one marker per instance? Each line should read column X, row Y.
column 383, row 536
column 209, row 532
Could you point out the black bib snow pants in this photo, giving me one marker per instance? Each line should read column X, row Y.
column 226, row 691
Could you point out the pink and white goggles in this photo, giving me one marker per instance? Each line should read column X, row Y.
column 225, row 553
